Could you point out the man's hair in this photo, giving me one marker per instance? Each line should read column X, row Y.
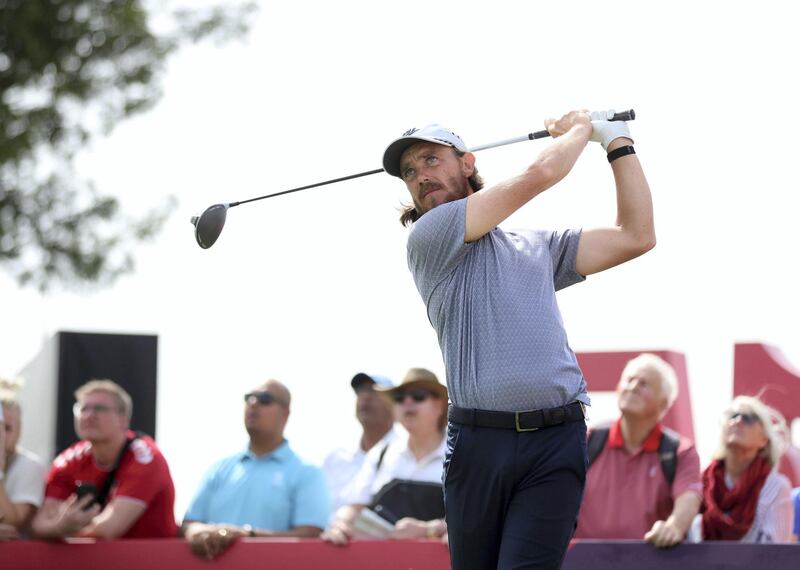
column 771, row 420
column 124, row 402
column 409, row 214
column 9, row 392
column 669, row 380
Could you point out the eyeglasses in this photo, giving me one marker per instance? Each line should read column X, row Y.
column 263, row 398
column 83, row 409
column 418, row 395
column 747, row 418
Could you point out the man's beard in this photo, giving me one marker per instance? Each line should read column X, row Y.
column 455, row 187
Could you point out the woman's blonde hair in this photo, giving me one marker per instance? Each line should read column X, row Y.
column 772, row 422
column 9, row 392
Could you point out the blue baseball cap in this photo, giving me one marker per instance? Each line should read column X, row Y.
column 380, row 381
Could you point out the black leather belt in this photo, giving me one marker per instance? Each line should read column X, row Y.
column 519, row 421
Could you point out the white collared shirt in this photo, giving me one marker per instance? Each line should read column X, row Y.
column 398, row 463
column 342, row 465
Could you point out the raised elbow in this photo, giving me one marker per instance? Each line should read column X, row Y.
column 648, row 242
column 643, row 239
column 638, row 244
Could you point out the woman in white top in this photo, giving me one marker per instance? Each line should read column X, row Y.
column 744, row 497
column 420, row 406
column 21, row 472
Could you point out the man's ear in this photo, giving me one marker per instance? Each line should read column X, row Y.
column 468, row 164
column 663, row 407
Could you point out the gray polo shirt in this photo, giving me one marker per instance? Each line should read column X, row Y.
column 493, row 306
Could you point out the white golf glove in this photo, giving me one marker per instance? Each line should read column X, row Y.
column 605, row 131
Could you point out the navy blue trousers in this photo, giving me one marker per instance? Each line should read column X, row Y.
column 512, row 499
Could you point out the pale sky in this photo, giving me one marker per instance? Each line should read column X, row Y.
column 313, row 287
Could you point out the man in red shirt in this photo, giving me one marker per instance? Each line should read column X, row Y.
column 140, row 502
column 628, row 494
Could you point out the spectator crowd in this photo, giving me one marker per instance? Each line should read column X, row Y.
column 115, row 482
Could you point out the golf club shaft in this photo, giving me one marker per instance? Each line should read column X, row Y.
column 628, row 115
column 621, row 116
column 342, row 179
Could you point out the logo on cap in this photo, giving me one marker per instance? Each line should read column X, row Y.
column 410, row 132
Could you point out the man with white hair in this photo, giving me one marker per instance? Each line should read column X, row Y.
column 644, row 473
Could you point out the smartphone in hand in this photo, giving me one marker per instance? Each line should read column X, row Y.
column 83, row 488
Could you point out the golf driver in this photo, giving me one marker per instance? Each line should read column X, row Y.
column 209, row 224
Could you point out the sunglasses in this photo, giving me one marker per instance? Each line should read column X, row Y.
column 747, row 418
column 263, row 398
column 418, row 395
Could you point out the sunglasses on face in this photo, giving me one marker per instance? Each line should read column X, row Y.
column 263, row 398
column 418, row 395
column 747, row 418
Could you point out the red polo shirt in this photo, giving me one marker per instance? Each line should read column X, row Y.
column 626, row 493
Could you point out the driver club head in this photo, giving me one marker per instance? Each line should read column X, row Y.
column 209, row 224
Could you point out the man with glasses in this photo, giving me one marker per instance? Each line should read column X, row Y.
column 647, row 475
column 80, row 498
column 264, row 490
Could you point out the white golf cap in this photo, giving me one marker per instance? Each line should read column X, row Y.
column 431, row 133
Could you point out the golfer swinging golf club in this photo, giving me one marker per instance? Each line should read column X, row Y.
column 516, row 442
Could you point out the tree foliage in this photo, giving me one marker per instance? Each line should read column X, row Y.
column 71, row 70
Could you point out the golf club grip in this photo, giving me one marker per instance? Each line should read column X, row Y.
column 628, row 115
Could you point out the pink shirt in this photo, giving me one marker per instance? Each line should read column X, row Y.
column 626, row 493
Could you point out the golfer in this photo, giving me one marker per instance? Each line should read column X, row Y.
column 516, row 444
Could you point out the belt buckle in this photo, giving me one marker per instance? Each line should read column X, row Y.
column 521, row 429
